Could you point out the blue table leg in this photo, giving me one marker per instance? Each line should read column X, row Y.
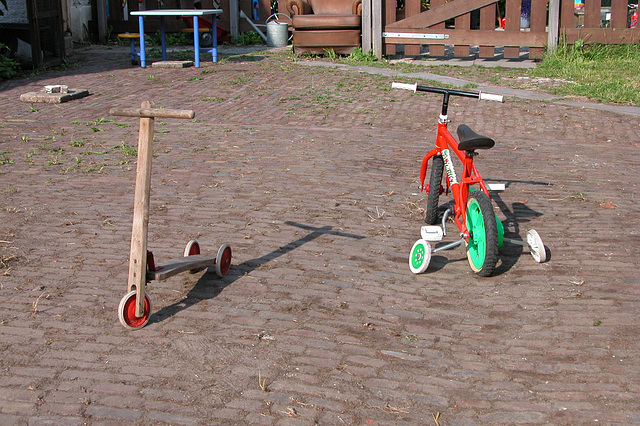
column 214, row 46
column 196, row 41
column 163, row 40
column 143, row 56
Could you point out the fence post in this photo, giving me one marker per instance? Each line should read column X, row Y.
column 234, row 18
column 554, row 25
column 366, row 26
column 376, row 28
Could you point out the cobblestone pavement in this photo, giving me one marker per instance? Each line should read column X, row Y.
column 310, row 174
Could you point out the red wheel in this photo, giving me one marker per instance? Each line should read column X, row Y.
column 192, row 248
column 127, row 311
column 223, row 260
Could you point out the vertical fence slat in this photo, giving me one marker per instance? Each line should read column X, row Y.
column 568, row 18
column 592, row 14
column 487, row 22
column 618, row 13
column 437, row 49
column 513, row 24
column 463, row 22
column 538, row 23
column 390, row 16
column 412, row 7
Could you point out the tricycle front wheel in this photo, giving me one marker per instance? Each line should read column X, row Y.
column 433, row 194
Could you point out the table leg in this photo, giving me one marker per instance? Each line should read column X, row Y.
column 196, row 41
column 143, row 56
column 214, row 45
column 163, row 39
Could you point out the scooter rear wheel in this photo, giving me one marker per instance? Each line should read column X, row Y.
column 191, row 249
column 223, row 260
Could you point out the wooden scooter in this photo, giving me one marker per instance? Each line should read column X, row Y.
column 134, row 310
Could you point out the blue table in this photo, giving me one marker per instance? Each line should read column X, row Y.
column 195, row 13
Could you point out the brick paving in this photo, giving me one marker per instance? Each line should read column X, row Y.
column 310, row 174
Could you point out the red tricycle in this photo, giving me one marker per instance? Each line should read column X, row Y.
column 480, row 229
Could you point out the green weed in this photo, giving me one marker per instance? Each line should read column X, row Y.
column 4, row 159
column 128, row 150
column 213, row 99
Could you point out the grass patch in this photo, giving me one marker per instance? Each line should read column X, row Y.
column 249, row 38
column 602, row 73
column 606, row 73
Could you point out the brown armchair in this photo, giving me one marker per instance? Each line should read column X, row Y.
column 319, row 25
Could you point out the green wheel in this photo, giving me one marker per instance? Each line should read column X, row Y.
column 482, row 247
column 435, row 181
column 420, row 257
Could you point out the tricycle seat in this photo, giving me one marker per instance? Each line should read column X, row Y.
column 470, row 140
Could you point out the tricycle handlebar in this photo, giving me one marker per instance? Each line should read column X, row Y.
column 477, row 95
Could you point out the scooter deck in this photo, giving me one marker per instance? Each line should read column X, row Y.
column 181, row 264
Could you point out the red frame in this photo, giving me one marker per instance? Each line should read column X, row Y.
column 470, row 175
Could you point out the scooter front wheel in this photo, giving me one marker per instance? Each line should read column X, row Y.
column 127, row 311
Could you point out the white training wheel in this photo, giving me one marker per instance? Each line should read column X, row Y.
column 192, row 248
column 420, row 256
column 536, row 245
column 223, row 260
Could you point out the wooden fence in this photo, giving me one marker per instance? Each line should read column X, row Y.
column 485, row 23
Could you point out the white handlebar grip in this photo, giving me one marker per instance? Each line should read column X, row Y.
column 412, row 87
column 490, row 97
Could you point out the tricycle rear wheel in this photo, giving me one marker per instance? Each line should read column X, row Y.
column 482, row 246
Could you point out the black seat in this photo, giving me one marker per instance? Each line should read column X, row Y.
column 470, row 140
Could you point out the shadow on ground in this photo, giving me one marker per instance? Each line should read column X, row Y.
column 210, row 286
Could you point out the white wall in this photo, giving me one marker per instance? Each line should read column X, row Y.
column 79, row 17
